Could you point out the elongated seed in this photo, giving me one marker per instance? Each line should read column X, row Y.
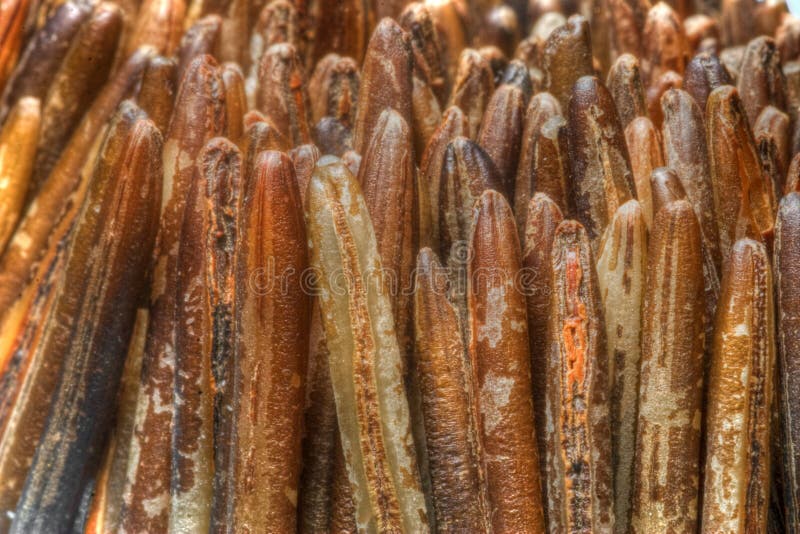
column 467, row 171
column 761, row 81
column 159, row 23
column 644, row 146
column 260, row 136
column 544, row 216
column 541, row 108
column 273, row 313
column 667, row 469
column 341, row 27
column 449, row 401
column 786, row 287
column 430, row 79
column 453, row 124
column 333, row 89
column 455, row 29
column 625, row 84
column 737, row 464
column 385, row 81
column 742, row 196
column 621, row 279
column 472, row 88
column 737, row 21
column 157, row 92
column 624, row 26
column 429, row 48
column 499, row 26
column 200, row 39
column 499, row 355
column 665, row 47
column 552, row 177
column 277, row 22
column 666, row 188
column 772, row 133
column 44, row 53
column 304, row 159
column 703, row 74
column 282, row 93
column 600, row 166
column 567, row 57
column 580, row 475
column 18, row 140
column 787, row 38
column 365, row 362
column 234, row 32
column 387, row 177
column 235, row 100
column 203, row 340
column 685, row 153
column 542, row 165
column 668, row 80
column 501, row 134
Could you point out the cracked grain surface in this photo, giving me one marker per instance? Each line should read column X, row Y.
column 580, row 485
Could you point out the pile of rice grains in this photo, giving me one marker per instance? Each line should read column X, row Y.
column 390, row 266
